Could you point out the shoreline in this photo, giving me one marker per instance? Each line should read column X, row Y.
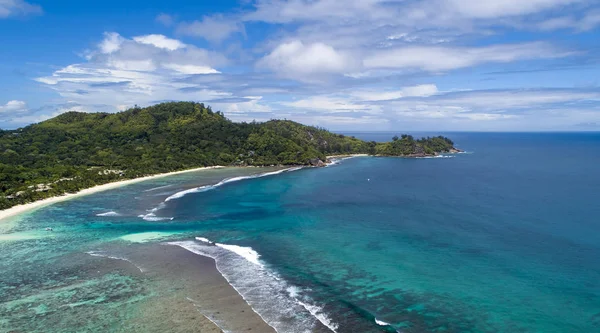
column 19, row 209
column 347, row 155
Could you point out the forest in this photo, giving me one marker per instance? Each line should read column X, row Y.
column 78, row 150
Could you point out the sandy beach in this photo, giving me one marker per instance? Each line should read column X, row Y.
column 6, row 213
column 347, row 155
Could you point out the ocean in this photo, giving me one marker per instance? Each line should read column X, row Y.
column 502, row 238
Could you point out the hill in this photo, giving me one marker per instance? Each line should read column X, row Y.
column 78, row 150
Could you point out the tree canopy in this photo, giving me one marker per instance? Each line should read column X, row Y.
column 77, row 150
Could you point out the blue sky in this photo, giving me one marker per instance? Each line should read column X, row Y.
column 442, row 65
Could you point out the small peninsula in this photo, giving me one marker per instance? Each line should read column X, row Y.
column 77, row 150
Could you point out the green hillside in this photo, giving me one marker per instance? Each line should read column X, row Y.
column 78, row 150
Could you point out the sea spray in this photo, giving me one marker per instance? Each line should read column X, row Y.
column 267, row 293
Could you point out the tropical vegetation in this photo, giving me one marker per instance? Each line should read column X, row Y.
column 78, row 150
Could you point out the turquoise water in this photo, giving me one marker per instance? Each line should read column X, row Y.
column 504, row 238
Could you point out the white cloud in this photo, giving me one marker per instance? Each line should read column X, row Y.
column 165, row 19
column 13, row 106
column 499, row 8
column 122, row 72
column 378, row 95
column 499, row 109
column 415, row 14
column 333, row 104
column 112, row 42
column 305, row 10
column 212, row 28
column 588, row 21
column 191, row 69
column 18, row 7
column 296, row 59
column 346, row 63
column 253, row 105
column 160, row 41
column 436, row 58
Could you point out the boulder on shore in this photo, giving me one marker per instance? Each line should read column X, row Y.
column 316, row 162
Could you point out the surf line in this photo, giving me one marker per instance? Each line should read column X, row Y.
column 244, row 271
column 226, row 181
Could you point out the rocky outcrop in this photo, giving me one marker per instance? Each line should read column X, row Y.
column 316, row 162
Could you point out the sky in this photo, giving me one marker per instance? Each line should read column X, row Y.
column 352, row 65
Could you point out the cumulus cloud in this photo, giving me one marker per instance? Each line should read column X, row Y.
column 212, row 28
column 296, row 59
column 12, row 110
column 13, row 107
column 160, row 41
column 112, row 42
column 349, row 63
column 18, row 7
column 122, row 72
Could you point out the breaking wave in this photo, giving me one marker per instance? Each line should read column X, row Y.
column 151, row 215
column 278, row 303
column 438, row 156
column 111, row 213
column 381, row 322
column 226, row 181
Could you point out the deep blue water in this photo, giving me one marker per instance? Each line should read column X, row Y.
column 503, row 238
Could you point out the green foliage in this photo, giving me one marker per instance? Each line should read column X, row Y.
column 78, row 150
column 406, row 145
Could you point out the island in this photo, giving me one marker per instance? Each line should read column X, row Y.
column 77, row 150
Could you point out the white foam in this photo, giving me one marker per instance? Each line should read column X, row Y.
column 317, row 311
column 100, row 254
column 438, row 156
column 226, row 181
column 338, row 160
column 151, row 215
column 153, row 218
column 111, row 213
column 158, row 188
column 267, row 293
column 381, row 322
column 246, row 252
column 202, row 239
column 293, row 291
column 192, row 190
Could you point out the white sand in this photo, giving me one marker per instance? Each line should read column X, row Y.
column 347, row 155
column 6, row 213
